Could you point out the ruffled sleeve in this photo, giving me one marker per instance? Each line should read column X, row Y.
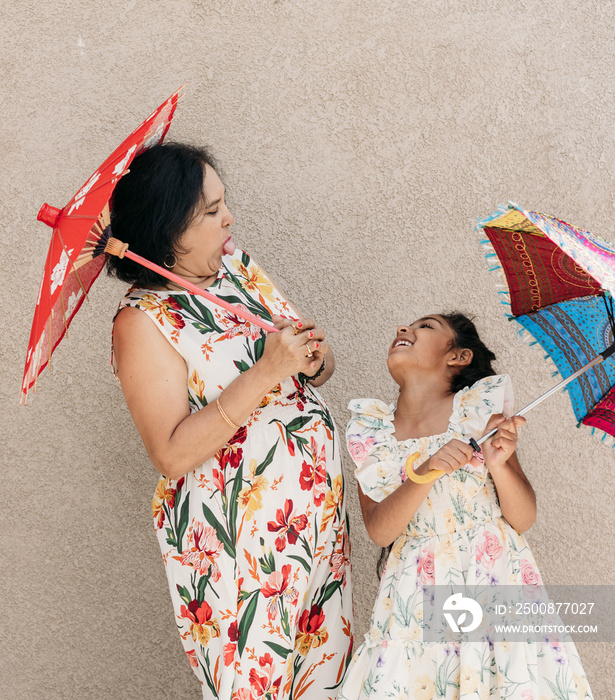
column 474, row 405
column 371, row 446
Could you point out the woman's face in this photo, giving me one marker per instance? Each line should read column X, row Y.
column 424, row 345
column 207, row 238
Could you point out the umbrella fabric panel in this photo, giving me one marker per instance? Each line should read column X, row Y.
column 538, row 272
column 61, row 294
column 590, row 252
column 573, row 333
column 603, row 415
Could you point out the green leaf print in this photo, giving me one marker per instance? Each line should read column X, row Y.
column 246, row 621
column 268, row 459
column 267, row 562
column 297, row 423
column 171, row 537
column 203, row 318
column 259, row 347
column 184, row 594
column 279, row 649
column 245, row 259
column 231, row 515
column 221, row 532
column 242, row 365
column 183, row 523
column 253, row 306
column 328, row 591
column 302, row 561
column 561, row 691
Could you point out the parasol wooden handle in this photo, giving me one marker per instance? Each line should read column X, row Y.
column 421, row 478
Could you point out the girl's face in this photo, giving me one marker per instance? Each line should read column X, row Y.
column 424, row 345
column 208, row 236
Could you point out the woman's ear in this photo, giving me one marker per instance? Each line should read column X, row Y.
column 461, row 358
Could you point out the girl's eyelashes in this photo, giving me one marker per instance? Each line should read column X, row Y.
column 425, row 325
column 212, row 213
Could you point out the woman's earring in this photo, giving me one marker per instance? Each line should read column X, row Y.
column 170, row 261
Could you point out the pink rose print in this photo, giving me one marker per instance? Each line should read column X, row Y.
column 358, row 450
column 489, row 549
column 529, row 575
column 426, row 565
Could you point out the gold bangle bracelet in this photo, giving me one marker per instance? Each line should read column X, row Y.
column 226, row 418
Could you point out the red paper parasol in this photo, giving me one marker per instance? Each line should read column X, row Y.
column 64, row 286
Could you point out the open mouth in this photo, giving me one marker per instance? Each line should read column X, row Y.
column 403, row 341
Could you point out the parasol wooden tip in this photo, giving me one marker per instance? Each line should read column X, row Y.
column 116, row 247
column 49, row 215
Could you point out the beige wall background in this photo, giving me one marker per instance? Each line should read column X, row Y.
column 360, row 140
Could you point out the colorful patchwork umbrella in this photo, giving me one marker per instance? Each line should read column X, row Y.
column 560, row 282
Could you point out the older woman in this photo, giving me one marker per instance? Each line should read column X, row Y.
column 249, row 509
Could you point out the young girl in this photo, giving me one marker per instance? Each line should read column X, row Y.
column 463, row 528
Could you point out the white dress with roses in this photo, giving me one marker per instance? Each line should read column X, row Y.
column 457, row 536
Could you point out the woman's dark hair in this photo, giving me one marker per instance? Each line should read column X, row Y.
column 465, row 335
column 153, row 205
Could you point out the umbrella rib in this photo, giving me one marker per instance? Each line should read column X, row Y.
column 610, row 312
column 73, row 266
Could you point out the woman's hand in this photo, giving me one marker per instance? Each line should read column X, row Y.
column 498, row 449
column 299, row 346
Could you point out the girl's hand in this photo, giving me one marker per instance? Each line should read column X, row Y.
column 288, row 352
column 450, row 457
column 498, row 449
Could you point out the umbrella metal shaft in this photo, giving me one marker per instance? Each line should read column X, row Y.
column 558, row 387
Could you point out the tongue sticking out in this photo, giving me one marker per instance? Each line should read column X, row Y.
column 229, row 246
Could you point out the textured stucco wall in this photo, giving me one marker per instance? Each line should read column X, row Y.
column 359, row 140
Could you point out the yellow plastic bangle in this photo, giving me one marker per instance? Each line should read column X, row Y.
column 421, row 478
column 226, row 418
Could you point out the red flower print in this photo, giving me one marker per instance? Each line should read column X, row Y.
column 311, row 631
column 163, row 495
column 287, row 524
column 218, row 479
column 239, row 326
column 163, row 309
column 263, row 686
column 340, row 559
column 202, row 626
column 276, row 587
column 243, row 694
column 203, row 549
column 232, row 453
column 229, row 647
column 192, row 658
column 313, row 476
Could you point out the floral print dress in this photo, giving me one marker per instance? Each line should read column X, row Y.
column 255, row 540
column 457, row 536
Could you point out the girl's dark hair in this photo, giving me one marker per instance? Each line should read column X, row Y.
column 465, row 335
column 153, row 205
